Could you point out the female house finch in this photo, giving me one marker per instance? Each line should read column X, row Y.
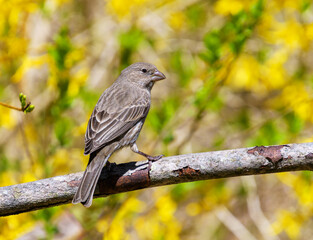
column 116, row 122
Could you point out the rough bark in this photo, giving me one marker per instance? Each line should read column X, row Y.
column 169, row 170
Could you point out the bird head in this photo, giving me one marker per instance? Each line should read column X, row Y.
column 142, row 74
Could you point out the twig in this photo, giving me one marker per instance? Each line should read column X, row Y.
column 16, row 108
column 233, row 224
column 169, row 170
column 255, row 210
column 9, row 106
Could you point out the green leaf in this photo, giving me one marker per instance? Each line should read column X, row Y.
column 184, row 71
column 295, row 124
column 213, row 43
column 160, row 116
column 62, row 130
column 61, row 47
column 129, row 42
column 196, row 15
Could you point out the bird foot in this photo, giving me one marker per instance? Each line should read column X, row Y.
column 154, row 158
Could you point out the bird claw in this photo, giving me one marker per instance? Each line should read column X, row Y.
column 155, row 158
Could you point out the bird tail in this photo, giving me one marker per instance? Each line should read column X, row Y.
column 89, row 180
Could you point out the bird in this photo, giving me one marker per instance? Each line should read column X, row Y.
column 116, row 122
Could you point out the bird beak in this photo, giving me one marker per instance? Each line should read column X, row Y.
column 157, row 76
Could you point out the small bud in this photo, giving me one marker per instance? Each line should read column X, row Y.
column 22, row 100
column 30, row 108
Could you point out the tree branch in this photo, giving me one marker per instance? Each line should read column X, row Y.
column 25, row 107
column 169, row 170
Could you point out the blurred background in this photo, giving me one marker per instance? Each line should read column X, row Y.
column 239, row 74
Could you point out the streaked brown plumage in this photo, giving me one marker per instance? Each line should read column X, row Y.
column 116, row 122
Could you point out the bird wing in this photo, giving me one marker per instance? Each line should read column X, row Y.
column 105, row 125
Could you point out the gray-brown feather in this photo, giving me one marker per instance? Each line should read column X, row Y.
column 92, row 173
column 118, row 110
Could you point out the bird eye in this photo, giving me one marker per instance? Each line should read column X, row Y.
column 144, row 70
